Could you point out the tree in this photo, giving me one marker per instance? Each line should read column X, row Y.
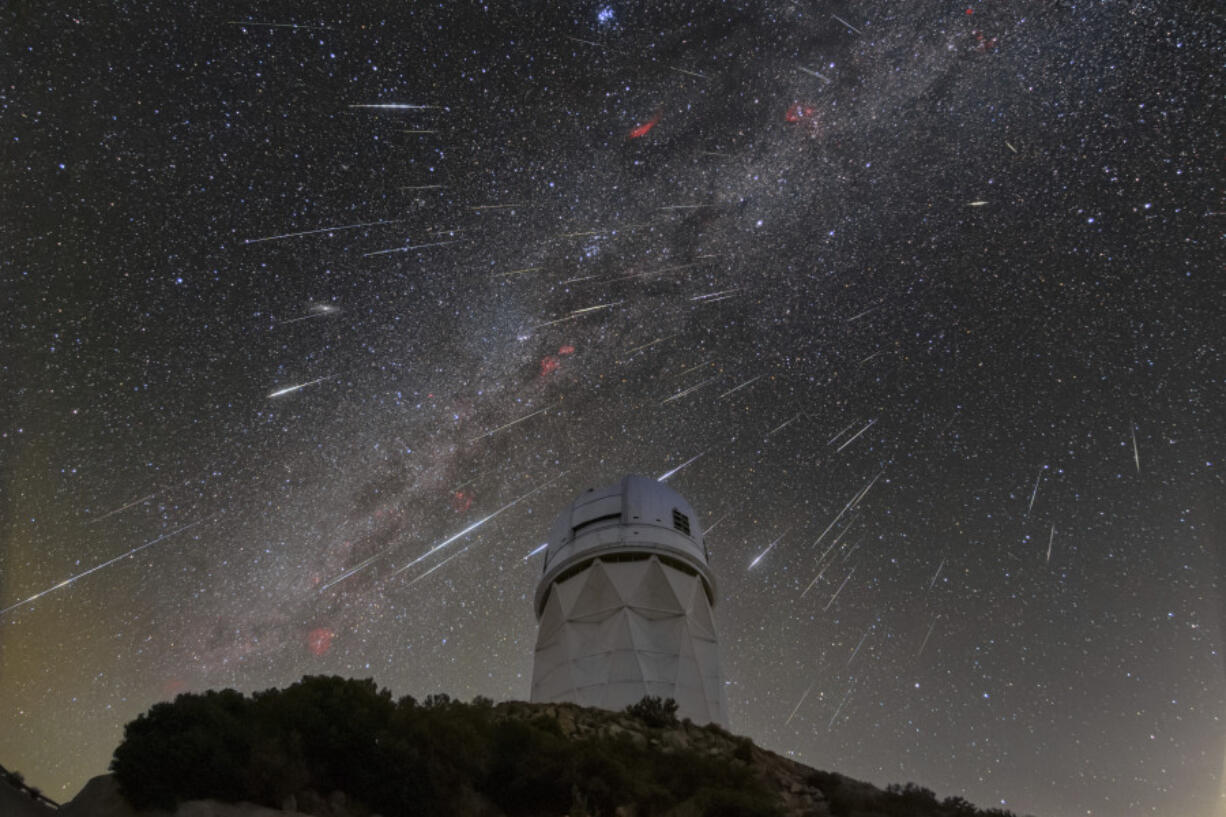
column 654, row 712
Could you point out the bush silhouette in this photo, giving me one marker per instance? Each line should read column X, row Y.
column 445, row 757
column 655, row 712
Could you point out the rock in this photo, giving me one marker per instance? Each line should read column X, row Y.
column 19, row 804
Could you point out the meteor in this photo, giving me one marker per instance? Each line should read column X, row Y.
column 735, row 389
column 856, row 436
column 687, row 73
column 1136, row 454
column 840, row 590
column 396, row 106
column 796, row 708
column 436, row 548
column 431, row 570
column 844, row 22
column 934, row 575
column 96, row 568
column 690, row 390
column 123, row 508
column 924, row 643
column 255, row 24
column 336, row 229
column 513, row 422
column 769, row 548
column 1035, row 492
column 817, row 74
column 663, row 477
column 409, row 249
column 289, row 389
column 577, row 313
column 364, row 564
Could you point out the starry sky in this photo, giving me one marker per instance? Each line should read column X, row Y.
column 317, row 317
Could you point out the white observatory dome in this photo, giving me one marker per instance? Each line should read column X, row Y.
column 625, row 604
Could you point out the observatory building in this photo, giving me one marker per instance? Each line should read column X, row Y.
column 624, row 604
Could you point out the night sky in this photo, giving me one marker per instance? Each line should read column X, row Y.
column 315, row 320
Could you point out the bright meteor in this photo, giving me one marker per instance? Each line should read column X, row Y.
column 289, row 389
column 96, row 568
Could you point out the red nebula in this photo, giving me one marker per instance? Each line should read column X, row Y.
column 642, row 129
column 986, row 43
column 173, row 687
column 549, row 364
column 800, row 113
column 320, row 640
column 461, row 501
column 566, row 350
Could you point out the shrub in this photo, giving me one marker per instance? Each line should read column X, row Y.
column 654, row 712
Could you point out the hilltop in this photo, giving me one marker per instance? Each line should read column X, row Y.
column 332, row 747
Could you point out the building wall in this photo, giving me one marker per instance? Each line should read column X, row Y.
column 625, row 626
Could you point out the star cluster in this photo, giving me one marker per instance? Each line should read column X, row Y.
column 316, row 319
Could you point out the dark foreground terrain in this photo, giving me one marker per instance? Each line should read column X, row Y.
column 333, row 747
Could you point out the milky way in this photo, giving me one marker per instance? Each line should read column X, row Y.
column 316, row 320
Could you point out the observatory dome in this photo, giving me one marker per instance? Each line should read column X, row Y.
column 624, row 604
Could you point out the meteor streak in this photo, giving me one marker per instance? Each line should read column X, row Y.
column 361, row 566
column 536, row 550
column 1051, row 538
column 784, row 425
column 255, row 24
column 817, row 74
column 735, row 389
column 577, row 313
column 840, row 590
column 687, row 73
column 1136, row 454
column 820, row 573
column 323, row 230
column 479, row 523
column 769, row 548
column 652, row 343
column 690, row 390
column 934, row 575
column 844, row 22
column 96, row 568
column 289, row 389
column 716, row 522
column 796, row 708
column 856, row 436
column 663, row 477
column 840, row 434
column 396, row 106
column 123, row 508
column 431, row 570
column 835, row 716
column 858, row 646
column 513, row 422
column 719, row 296
column 1035, row 492
column 408, row 249
column 924, row 643
column 690, row 369
column 319, row 310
